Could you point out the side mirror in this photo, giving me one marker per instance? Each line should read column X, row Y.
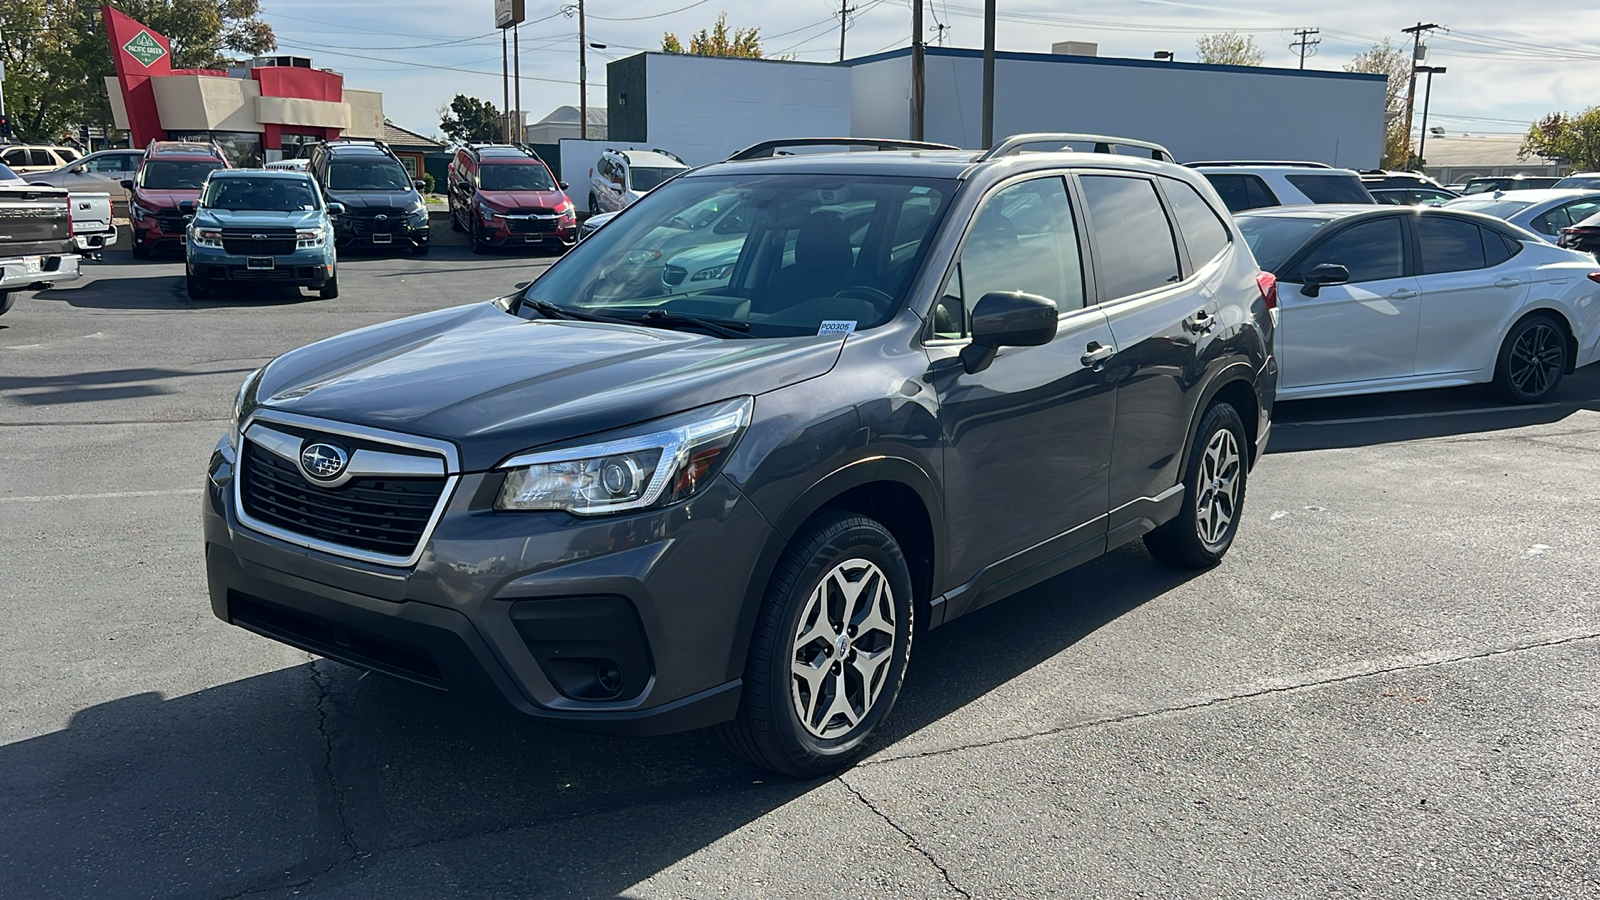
column 563, row 184
column 419, row 184
column 186, row 207
column 335, row 209
column 521, row 284
column 1326, row 273
column 127, row 184
column 1008, row 320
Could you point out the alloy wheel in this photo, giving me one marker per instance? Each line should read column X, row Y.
column 842, row 648
column 1537, row 359
column 1217, row 497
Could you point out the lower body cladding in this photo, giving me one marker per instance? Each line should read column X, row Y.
column 398, row 235
column 534, row 235
column 290, row 269
column 629, row 624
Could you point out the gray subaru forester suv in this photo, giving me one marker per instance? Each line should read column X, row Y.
column 896, row 387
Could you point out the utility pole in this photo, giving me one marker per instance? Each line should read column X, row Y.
column 1306, row 43
column 516, row 78
column 917, row 70
column 1427, row 97
column 583, row 77
column 505, row 90
column 988, row 74
column 844, row 15
column 1416, row 33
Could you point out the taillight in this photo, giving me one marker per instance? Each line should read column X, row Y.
column 1594, row 277
column 1268, row 283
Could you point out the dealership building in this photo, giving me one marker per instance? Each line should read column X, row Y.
column 257, row 112
column 704, row 108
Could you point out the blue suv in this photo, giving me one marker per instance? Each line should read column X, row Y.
column 264, row 226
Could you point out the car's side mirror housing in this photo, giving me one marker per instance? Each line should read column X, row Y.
column 335, row 209
column 1008, row 319
column 563, row 184
column 186, row 207
column 127, row 184
column 420, row 184
column 1324, row 274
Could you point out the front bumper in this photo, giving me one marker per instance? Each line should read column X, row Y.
column 501, row 233
column 519, row 611
column 397, row 231
column 309, row 267
column 25, row 272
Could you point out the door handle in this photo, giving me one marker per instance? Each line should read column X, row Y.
column 1201, row 322
column 1096, row 354
column 1508, row 282
column 1403, row 294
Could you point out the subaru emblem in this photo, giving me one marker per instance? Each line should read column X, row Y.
column 323, row 462
column 381, row 218
column 258, row 237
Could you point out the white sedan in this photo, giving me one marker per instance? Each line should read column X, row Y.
column 1543, row 212
column 1386, row 299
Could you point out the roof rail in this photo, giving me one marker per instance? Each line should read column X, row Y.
column 1102, row 144
column 767, row 149
column 528, row 150
column 1260, row 162
column 669, row 155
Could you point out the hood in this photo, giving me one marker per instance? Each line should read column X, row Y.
column 495, row 384
column 373, row 199
column 159, row 200
column 517, row 199
column 246, row 218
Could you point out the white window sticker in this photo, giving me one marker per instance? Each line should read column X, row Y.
column 837, row 326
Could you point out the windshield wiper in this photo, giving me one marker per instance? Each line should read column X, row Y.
column 553, row 311
column 660, row 318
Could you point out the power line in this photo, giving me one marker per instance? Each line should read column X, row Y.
column 1306, row 43
column 652, row 15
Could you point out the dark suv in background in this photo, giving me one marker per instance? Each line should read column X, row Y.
column 162, row 194
column 383, row 205
column 504, row 195
column 923, row 380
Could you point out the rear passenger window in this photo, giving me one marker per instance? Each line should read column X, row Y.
column 1449, row 245
column 1134, row 247
column 1203, row 231
column 1242, row 192
column 1497, row 248
column 1330, row 188
column 1371, row 251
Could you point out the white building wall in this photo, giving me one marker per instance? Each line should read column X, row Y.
column 705, row 108
column 880, row 98
column 1197, row 113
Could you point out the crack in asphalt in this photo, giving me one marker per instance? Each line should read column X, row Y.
column 1242, row 695
column 910, row 840
column 346, row 833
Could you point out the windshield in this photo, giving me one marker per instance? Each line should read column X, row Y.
column 1500, row 209
column 265, row 194
column 176, row 176
column 7, row 175
column 1273, row 239
column 646, row 179
column 786, row 254
column 1330, row 188
column 516, row 177
column 367, row 175
column 1583, row 182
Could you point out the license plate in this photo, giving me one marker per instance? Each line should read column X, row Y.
column 532, row 239
column 383, row 239
column 259, row 262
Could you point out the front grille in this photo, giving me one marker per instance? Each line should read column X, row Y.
column 674, row 274
column 378, row 514
column 531, row 226
column 172, row 222
column 275, row 242
column 363, row 222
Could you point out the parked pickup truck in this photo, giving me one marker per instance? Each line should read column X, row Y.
column 36, row 245
column 92, row 226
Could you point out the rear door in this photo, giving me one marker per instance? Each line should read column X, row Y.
column 1364, row 330
column 1471, row 284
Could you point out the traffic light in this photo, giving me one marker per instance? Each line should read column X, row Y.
column 5, row 127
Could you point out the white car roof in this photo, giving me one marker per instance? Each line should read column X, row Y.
column 651, row 158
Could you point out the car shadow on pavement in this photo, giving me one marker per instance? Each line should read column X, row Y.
column 1361, row 421
column 165, row 290
column 316, row 776
column 90, row 387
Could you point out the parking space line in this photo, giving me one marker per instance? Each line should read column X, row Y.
column 1431, row 415
column 116, row 495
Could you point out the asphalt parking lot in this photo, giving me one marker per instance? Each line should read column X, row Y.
column 1387, row 690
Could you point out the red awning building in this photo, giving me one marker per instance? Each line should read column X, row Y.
column 258, row 112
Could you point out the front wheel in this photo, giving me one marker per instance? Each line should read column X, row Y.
column 1213, row 495
column 1532, row 360
column 140, row 252
column 330, row 288
column 829, row 652
column 196, row 288
column 455, row 223
column 8, row 299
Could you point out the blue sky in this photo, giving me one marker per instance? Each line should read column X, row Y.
column 1509, row 63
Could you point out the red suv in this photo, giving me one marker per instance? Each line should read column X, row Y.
column 505, row 195
column 162, row 194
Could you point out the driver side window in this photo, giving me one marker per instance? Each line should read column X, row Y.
column 1372, row 251
column 1023, row 239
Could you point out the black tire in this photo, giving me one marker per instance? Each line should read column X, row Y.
column 594, row 204
column 768, row 731
column 1533, row 360
column 330, row 288
column 1198, row 538
column 419, row 249
column 196, row 288
column 478, row 245
column 455, row 223
column 140, row 252
column 8, row 299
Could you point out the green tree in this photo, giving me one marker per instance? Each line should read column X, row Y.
column 1386, row 59
column 744, row 43
column 1229, row 49
column 57, row 55
column 468, row 119
column 1572, row 139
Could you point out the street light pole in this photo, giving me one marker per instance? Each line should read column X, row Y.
column 1427, row 97
column 505, row 91
column 917, row 70
column 583, row 77
column 516, row 79
column 988, row 74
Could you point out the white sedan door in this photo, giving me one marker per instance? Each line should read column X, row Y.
column 1364, row 330
column 1472, row 286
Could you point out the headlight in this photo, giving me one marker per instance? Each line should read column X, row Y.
column 243, row 403
column 307, row 238
column 489, row 212
column 714, row 273
column 416, row 208
column 136, row 211
column 672, row 459
column 207, row 237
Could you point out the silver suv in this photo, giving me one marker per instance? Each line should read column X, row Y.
column 1254, row 185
